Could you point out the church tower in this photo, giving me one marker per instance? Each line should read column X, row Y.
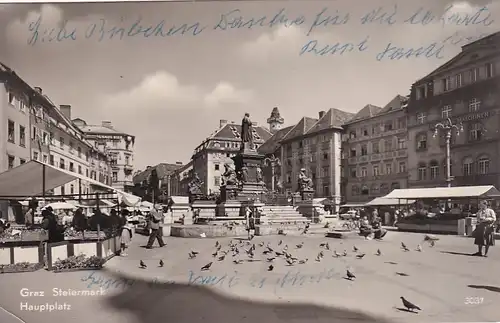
column 275, row 121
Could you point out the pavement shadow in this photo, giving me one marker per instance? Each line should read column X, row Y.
column 182, row 303
column 459, row 253
column 406, row 310
column 489, row 288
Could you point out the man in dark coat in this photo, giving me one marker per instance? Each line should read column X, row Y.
column 50, row 224
column 156, row 225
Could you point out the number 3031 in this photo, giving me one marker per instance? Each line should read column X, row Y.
column 473, row 300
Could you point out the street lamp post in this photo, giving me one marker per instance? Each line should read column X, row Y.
column 273, row 162
column 448, row 127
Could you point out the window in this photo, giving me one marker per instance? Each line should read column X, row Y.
column 61, row 142
column 395, row 186
column 365, row 132
column 354, row 190
column 490, row 70
column 61, row 163
column 352, row 135
column 376, row 171
column 288, row 178
column 127, row 160
column 364, row 150
column 115, row 176
column 474, row 73
column 353, row 152
column 11, row 161
column 422, row 172
column 51, row 138
column 63, row 190
column 421, row 117
column 458, row 80
column 363, row 172
column 434, row 169
column 79, row 150
column 80, row 170
column 35, row 155
column 375, row 147
column 86, row 172
column 446, row 111
column 421, row 92
column 44, row 159
column 45, row 138
column 388, row 145
column 354, row 173
column 326, row 171
column 217, row 180
column 402, row 123
column 217, row 167
column 325, row 156
column 22, row 161
column 71, row 147
column 402, row 167
column 401, row 143
column 388, row 169
column 384, row 188
column 326, row 190
column 447, row 84
column 474, row 105
column 374, row 189
column 71, row 167
column 483, row 165
column 467, row 166
column 365, row 190
column 388, row 126
column 22, row 136
column 11, row 132
column 475, row 131
column 421, row 142
column 51, row 160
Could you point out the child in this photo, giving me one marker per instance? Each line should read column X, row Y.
column 126, row 235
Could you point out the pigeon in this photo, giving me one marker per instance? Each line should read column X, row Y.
column 161, row 263
column 251, row 237
column 261, row 244
column 219, row 247
column 203, row 235
column 285, row 248
column 300, row 245
column 279, row 253
column 379, row 253
column 432, row 243
column 303, row 261
column 350, row 275
column 290, row 262
column 270, row 268
column 265, row 252
column 237, row 261
column 409, row 305
column 322, row 245
column 360, row 256
column 430, row 238
column 336, row 254
column 402, row 274
column 191, row 256
column 269, row 249
column 354, row 249
column 403, row 246
column 215, row 254
column 271, row 259
column 280, row 242
column 194, row 252
column 321, row 254
column 142, row 265
column 419, row 248
column 221, row 258
column 207, row 266
column 217, row 244
column 327, row 246
column 345, row 253
column 318, row 258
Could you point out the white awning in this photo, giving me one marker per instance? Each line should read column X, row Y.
column 352, row 205
column 382, row 201
column 444, row 192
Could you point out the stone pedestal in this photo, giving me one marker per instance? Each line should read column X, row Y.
column 307, row 194
column 230, row 209
column 313, row 210
column 180, row 207
column 205, row 210
column 248, row 166
column 168, row 221
column 229, row 193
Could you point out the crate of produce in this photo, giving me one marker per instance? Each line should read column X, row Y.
column 20, row 267
column 80, row 262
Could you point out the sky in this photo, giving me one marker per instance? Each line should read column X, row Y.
column 170, row 91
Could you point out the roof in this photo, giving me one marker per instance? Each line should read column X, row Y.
column 273, row 143
column 98, row 129
column 399, row 102
column 162, row 169
column 333, row 118
column 301, row 128
column 232, row 131
column 444, row 192
column 369, row 111
column 383, row 201
column 26, row 180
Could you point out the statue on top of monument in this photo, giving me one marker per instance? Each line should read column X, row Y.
column 229, row 176
column 304, row 182
column 247, row 131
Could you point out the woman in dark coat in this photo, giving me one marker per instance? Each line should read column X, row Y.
column 484, row 233
column 79, row 220
column 49, row 223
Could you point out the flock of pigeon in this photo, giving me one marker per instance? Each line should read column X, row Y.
column 282, row 251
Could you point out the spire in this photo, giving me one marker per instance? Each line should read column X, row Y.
column 275, row 120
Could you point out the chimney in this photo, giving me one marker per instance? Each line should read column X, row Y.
column 254, row 124
column 222, row 122
column 39, row 89
column 321, row 114
column 66, row 110
column 107, row 124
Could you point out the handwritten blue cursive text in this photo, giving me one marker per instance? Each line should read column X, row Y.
column 235, row 20
column 421, row 16
column 314, row 47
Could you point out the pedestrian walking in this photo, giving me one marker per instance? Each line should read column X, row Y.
column 484, row 233
column 156, row 225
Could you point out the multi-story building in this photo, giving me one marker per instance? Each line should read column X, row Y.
column 374, row 151
column 164, row 171
column 120, row 147
column 16, row 97
column 315, row 144
column 180, row 179
column 210, row 156
column 465, row 90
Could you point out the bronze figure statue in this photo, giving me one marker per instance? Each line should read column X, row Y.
column 229, row 176
column 194, row 186
column 304, row 182
column 247, row 131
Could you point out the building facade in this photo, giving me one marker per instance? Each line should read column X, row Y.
column 165, row 173
column 375, row 152
column 315, row 145
column 465, row 90
column 180, row 178
column 118, row 145
column 210, row 156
